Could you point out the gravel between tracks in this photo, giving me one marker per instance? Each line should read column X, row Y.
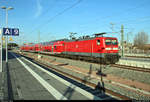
column 127, row 74
column 107, row 85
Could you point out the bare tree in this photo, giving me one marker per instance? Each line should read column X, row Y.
column 141, row 39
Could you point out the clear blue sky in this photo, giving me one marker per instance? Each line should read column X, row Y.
column 55, row 21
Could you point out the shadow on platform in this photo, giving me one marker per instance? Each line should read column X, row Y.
column 10, row 56
column 99, row 90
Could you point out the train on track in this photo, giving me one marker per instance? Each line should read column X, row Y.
column 98, row 48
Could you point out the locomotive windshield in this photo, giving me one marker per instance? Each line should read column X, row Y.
column 111, row 42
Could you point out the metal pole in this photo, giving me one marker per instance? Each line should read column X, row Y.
column 6, row 36
column 1, row 53
column 39, row 42
column 127, row 38
column 39, row 46
column 122, row 39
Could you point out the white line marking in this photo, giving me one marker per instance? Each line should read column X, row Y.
column 83, row 92
column 50, row 89
column 136, row 89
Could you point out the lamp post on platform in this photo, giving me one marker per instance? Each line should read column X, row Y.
column 6, row 9
column 1, row 52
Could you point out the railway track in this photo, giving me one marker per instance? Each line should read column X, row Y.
column 138, row 56
column 140, row 69
column 78, row 79
column 43, row 57
column 85, row 82
column 114, row 65
column 131, row 68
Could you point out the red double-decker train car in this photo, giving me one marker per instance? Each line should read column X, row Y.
column 98, row 48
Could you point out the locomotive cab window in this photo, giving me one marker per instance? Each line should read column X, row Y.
column 114, row 42
column 111, row 42
column 98, row 42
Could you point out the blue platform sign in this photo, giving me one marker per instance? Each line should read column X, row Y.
column 11, row 31
column 15, row 32
column 7, row 31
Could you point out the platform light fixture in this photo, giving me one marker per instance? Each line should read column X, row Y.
column 9, row 8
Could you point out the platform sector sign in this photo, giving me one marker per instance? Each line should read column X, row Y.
column 15, row 32
column 7, row 31
column 11, row 31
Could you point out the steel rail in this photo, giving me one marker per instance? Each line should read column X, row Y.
column 79, row 79
column 131, row 68
column 138, row 56
column 140, row 69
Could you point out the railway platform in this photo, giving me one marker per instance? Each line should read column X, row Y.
column 22, row 80
column 29, row 77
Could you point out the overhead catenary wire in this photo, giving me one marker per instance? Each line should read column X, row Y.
column 125, row 11
column 120, row 13
column 58, row 14
column 68, row 8
column 137, row 20
column 48, row 9
column 129, row 22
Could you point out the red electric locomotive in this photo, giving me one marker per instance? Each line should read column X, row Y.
column 101, row 49
column 98, row 48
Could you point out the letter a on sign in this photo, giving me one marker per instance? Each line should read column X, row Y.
column 7, row 31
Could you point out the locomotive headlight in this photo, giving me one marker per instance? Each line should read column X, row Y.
column 108, row 48
column 115, row 48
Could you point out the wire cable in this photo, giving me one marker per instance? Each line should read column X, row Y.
column 58, row 14
column 118, row 14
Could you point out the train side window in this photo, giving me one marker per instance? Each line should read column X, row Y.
column 98, row 42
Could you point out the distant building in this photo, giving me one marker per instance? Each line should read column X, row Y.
column 130, row 48
column 147, row 46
